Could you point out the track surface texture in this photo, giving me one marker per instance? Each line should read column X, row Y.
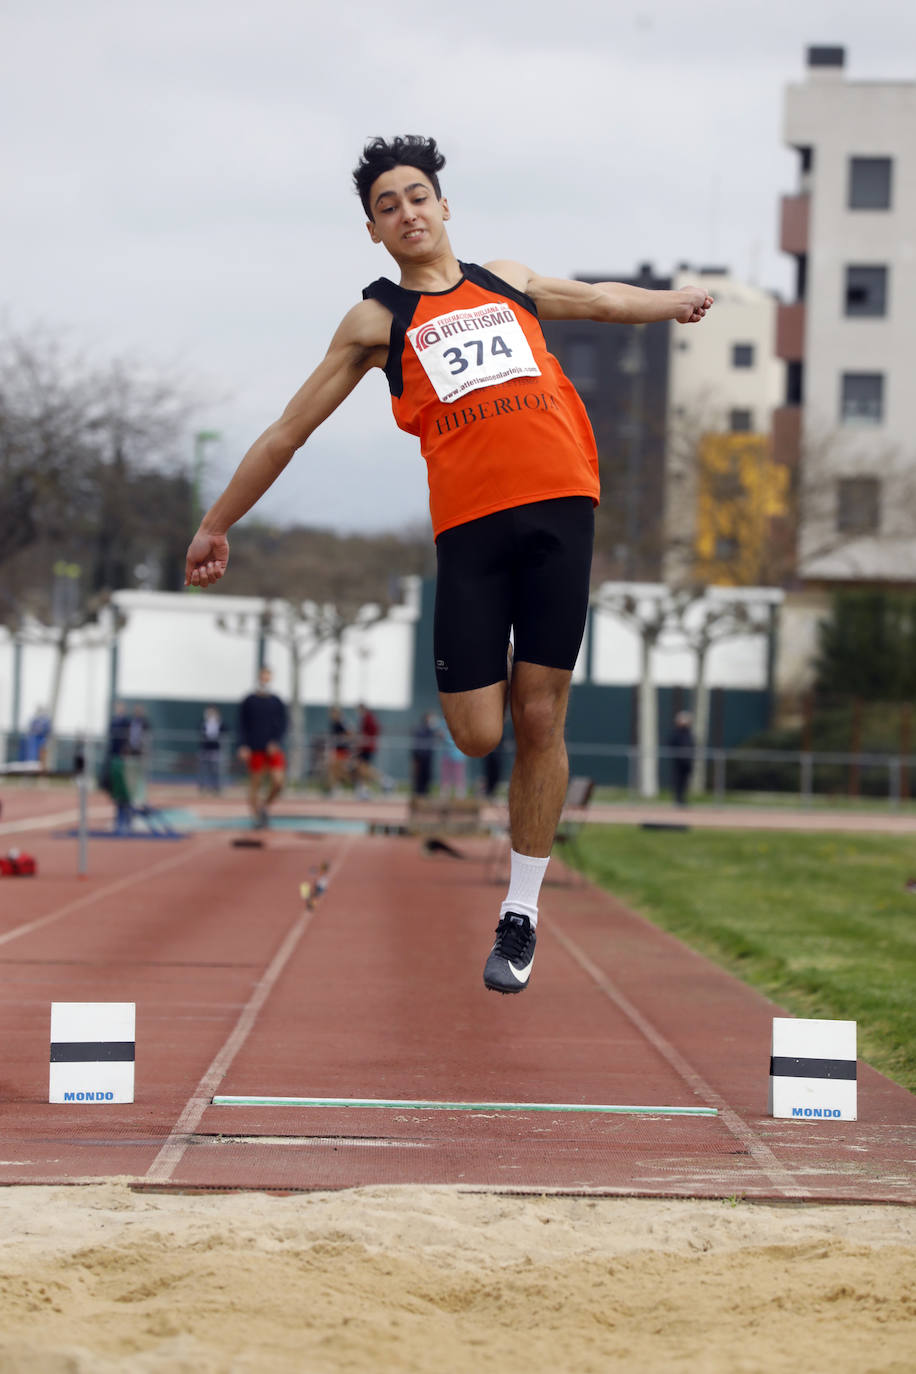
column 376, row 992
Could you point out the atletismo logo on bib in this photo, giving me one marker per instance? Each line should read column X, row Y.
column 468, row 349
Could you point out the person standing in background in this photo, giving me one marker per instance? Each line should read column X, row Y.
column 212, row 733
column 262, row 727
column 338, row 750
column 681, row 742
column 453, row 772
column 136, row 760
column 423, row 745
column 368, row 733
column 115, row 776
column 36, row 740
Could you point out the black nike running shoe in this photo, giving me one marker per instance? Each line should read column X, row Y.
column 508, row 967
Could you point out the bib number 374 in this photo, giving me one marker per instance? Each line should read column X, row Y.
column 469, row 349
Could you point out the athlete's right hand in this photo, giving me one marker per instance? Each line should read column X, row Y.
column 695, row 304
column 207, row 557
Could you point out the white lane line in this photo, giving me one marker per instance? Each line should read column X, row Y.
column 780, row 1177
column 172, row 1152
column 98, row 894
column 336, row 1142
column 54, row 818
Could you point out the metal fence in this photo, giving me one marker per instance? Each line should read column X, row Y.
column 805, row 776
column 798, row 777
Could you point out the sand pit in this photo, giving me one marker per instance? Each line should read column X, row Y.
column 99, row 1278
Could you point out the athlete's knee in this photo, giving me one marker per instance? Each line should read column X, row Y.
column 538, row 720
column 476, row 737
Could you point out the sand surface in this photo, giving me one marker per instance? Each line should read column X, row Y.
column 99, row 1278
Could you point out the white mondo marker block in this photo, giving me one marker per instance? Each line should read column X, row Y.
column 813, row 1069
column 93, row 1048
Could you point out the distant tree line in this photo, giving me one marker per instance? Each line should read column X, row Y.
column 90, row 474
column 95, row 479
column 862, row 700
column 296, row 563
column 867, row 646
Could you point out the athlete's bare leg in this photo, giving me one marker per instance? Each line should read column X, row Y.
column 540, row 774
column 277, row 779
column 254, row 792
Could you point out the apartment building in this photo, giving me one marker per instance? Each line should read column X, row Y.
column 848, row 422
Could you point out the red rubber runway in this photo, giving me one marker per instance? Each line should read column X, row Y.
column 377, row 993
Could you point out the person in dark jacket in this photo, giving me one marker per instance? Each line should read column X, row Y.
column 116, row 780
column 681, row 741
column 423, row 745
column 262, row 726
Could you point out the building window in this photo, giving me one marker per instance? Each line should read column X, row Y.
column 869, row 183
column 858, row 507
column 742, row 355
column 726, row 549
column 582, row 364
column 866, row 290
column 727, row 488
column 740, row 421
column 795, row 383
column 862, row 398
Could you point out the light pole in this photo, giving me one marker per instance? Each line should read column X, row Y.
column 65, row 597
column 202, row 438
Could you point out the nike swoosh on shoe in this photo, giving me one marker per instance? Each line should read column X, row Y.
column 522, row 974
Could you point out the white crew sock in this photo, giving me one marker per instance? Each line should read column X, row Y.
column 525, row 877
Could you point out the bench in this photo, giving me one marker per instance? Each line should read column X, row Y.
column 443, row 816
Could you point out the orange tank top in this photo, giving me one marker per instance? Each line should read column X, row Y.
column 499, row 423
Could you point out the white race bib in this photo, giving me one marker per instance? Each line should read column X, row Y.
column 468, row 349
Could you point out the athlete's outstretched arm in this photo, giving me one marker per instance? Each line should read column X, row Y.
column 558, row 298
column 359, row 344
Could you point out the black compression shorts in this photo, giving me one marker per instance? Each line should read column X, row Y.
column 525, row 569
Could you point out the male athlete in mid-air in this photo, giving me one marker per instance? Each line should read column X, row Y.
column 513, row 482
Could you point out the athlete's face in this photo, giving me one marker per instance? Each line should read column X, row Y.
column 406, row 215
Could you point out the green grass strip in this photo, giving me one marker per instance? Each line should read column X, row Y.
column 392, row 1104
column 824, row 924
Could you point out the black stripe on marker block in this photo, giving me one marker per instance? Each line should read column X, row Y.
column 92, row 1051
column 781, row 1066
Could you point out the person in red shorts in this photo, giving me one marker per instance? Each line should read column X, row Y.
column 513, row 482
column 366, row 750
column 262, row 726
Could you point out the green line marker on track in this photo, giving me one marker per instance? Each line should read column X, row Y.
column 394, row 1104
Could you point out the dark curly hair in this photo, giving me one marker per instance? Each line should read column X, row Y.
column 383, row 154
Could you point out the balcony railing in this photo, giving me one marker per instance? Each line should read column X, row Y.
column 793, row 226
column 790, row 332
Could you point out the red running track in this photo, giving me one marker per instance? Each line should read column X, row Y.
column 377, row 993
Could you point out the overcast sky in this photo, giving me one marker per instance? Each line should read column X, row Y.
column 176, row 177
